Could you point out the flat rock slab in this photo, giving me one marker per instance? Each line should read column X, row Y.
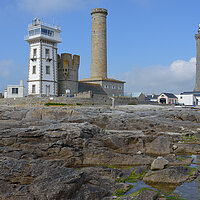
column 173, row 175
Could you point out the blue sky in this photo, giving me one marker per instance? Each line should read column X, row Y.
column 151, row 43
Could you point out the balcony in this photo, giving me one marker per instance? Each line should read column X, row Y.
column 42, row 36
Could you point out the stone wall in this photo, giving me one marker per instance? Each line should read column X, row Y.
column 83, row 99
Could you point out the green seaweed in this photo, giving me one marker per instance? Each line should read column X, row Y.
column 132, row 178
column 119, row 192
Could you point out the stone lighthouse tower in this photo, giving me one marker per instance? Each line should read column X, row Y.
column 99, row 43
column 112, row 87
column 42, row 71
column 197, row 84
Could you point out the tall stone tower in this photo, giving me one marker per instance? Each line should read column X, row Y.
column 68, row 67
column 111, row 86
column 99, row 43
column 42, row 71
column 197, row 84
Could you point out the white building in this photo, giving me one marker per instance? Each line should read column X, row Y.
column 15, row 91
column 42, row 70
column 189, row 98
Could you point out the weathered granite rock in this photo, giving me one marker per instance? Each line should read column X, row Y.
column 188, row 149
column 38, row 145
column 159, row 146
column 173, row 175
column 147, row 195
column 47, row 180
column 159, row 163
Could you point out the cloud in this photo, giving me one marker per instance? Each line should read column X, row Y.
column 41, row 7
column 176, row 78
column 11, row 73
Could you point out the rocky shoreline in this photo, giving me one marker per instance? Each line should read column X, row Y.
column 95, row 152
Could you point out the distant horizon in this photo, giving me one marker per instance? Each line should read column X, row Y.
column 151, row 43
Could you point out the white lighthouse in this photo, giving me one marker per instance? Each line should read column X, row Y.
column 42, row 71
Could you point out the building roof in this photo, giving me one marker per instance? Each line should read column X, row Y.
column 170, row 95
column 101, row 79
column 153, row 96
column 94, row 88
column 186, row 93
column 133, row 94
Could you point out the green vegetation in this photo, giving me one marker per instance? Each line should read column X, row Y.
column 132, row 178
column 79, row 104
column 57, row 104
column 139, row 191
column 190, row 139
column 192, row 171
column 131, row 103
column 62, row 104
column 119, row 192
column 119, row 167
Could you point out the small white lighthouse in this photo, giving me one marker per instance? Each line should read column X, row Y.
column 42, row 70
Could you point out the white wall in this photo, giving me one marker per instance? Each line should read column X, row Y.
column 47, row 79
column 9, row 94
column 186, row 99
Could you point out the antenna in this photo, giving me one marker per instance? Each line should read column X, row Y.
column 53, row 20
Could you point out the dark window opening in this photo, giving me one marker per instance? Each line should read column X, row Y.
column 14, row 90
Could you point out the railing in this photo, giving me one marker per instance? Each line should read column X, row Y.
column 26, row 37
column 44, row 24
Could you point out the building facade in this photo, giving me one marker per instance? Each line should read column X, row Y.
column 42, row 71
column 189, row 98
column 15, row 91
column 167, row 98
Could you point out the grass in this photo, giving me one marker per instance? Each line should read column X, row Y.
column 131, row 103
column 62, row 104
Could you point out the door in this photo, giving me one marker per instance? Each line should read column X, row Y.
column 47, row 90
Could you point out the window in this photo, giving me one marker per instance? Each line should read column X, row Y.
column 34, row 70
column 113, row 87
column 33, row 89
column 105, row 86
column 34, row 32
column 120, row 87
column 14, row 90
column 34, row 52
column 47, row 69
column 47, row 53
column 47, row 32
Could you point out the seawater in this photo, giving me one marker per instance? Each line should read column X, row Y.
column 187, row 191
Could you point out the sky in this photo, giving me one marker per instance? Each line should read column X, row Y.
column 151, row 43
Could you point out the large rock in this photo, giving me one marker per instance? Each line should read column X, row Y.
column 159, row 146
column 147, row 195
column 159, row 163
column 173, row 175
column 49, row 180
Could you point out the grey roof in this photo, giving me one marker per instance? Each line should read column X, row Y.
column 152, row 96
column 94, row 88
column 195, row 93
column 170, row 95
